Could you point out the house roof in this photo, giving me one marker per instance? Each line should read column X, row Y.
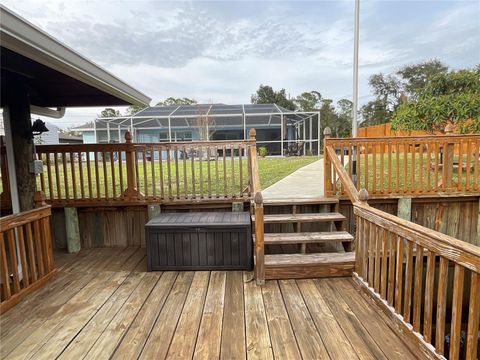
column 186, row 116
column 55, row 74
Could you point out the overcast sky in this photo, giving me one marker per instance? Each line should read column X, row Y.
column 221, row 51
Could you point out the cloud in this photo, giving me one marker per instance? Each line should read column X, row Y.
column 221, row 51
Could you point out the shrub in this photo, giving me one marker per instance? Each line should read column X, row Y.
column 262, row 151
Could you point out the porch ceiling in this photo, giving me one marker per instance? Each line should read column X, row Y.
column 55, row 74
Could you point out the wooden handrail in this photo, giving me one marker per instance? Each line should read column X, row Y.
column 15, row 220
column 258, row 211
column 26, row 254
column 409, row 165
column 389, row 266
column 141, row 173
column 350, row 188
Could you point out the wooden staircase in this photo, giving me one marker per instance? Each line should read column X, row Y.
column 292, row 251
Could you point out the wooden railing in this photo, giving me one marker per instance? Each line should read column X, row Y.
column 407, row 165
column 26, row 257
column 126, row 173
column 259, row 214
column 414, row 274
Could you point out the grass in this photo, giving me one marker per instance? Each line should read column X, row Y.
column 415, row 172
column 218, row 179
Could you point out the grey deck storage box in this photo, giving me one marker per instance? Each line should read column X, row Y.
column 199, row 241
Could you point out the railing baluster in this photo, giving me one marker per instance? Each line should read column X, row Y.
column 224, row 171
column 105, row 174
column 97, row 176
column 458, row 280
column 192, row 155
column 384, row 268
column 391, row 268
column 185, row 180
column 177, row 179
column 65, row 175
column 473, row 317
column 232, row 161
column 407, row 300
column 112, row 171
column 31, row 252
column 13, row 260
column 399, row 275
column 72, row 170
column 209, row 175
column 160, row 162
column 4, row 269
column 429, row 288
column 441, row 305
column 23, row 257
column 377, row 270
column 80, row 173
column 417, row 288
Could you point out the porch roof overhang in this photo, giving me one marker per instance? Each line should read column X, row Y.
column 55, row 74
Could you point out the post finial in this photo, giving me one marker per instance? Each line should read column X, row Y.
column 39, row 199
column 327, row 132
column 128, row 137
column 449, row 128
column 363, row 195
column 253, row 134
column 258, row 198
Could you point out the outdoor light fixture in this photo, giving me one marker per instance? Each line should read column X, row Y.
column 38, row 127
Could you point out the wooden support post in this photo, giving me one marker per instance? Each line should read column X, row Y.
column 153, row 211
column 17, row 114
column 72, row 229
column 132, row 191
column 404, row 210
column 5, row 195
column 259, row 244
column 327, row 164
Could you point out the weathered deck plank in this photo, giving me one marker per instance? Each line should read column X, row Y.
column 113, row 309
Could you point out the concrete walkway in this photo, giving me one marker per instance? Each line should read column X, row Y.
column 305, row 182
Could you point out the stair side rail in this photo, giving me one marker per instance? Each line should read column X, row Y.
column 259, row 267
column 405, row 268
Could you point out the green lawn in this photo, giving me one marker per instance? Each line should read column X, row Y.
column 415, row 172
column 218, row 178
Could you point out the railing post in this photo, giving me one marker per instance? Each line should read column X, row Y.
column 448, row 157
column 39, row 199
column 259, row 244
column 132, row 191
column 252, row 153
column 327, row 164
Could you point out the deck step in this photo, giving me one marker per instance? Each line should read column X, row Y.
column 300, row 201
column 297, row 266
column 301, row 218
column 306, row 237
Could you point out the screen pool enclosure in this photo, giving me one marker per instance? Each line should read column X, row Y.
column 282, row 131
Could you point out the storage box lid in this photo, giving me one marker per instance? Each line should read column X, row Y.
column 210, row 219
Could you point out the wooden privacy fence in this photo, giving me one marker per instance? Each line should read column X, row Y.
column 407, row 165
column 127, row 173
column 26, row 256
column 415, row 274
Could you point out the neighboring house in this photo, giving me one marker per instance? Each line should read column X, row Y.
column 49, row 137
column 276, row 126
column 69, row 139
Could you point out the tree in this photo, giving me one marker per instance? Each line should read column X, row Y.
column 266, row 95
column 390, row 89
column 109, row 112
column 374, row 113
column 309, row 101
column 452, row 97
column 415, row 77
column 133, row 109
column 171, row 101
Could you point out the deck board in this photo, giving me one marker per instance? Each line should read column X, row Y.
column 102, row 305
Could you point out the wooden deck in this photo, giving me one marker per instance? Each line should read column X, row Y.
column 103, row 304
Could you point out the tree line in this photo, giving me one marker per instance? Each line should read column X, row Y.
column 423, row 96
